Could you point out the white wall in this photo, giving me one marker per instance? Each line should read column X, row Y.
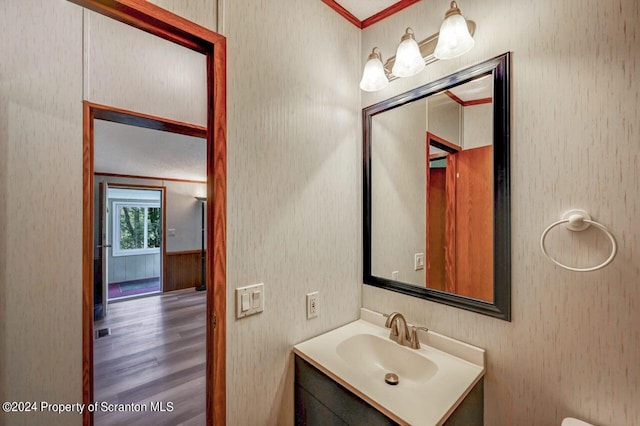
column 477, row 125
column 572, row 346
column 294, row 215
column 184, row 215
column 40, row 207
column 445, row 118
column 130, row 268
column 398, row 203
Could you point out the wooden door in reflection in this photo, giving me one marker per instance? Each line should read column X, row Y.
column 474, row 223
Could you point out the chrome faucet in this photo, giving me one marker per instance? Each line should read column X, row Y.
column 401, row 334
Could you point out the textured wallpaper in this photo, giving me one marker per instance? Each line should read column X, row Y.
column 41, row 93
column 131, row 69
column 293, row 188
column 295, row 200
column 572, row 346
column 202, row 12
column 40, row 207
column 398, row 203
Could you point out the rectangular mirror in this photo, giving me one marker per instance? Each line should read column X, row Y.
column 436, row 191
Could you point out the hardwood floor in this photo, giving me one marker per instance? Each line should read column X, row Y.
column 155, row 353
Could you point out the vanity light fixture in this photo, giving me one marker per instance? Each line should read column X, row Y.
column 374, row 77
column 453, row 40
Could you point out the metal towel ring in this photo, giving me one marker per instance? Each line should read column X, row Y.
column 579, row 220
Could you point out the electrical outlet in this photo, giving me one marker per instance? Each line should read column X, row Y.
column 419, row 261
column 313, row 305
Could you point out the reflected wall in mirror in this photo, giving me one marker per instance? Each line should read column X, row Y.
column 436, row 196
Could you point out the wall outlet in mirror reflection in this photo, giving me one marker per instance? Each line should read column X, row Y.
column 418, row 262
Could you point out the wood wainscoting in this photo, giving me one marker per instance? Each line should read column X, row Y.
column 184, row 270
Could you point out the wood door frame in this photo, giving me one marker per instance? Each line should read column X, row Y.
column 157, row 21
column 163, row 190
column 450, row 207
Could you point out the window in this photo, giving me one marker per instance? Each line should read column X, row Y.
column 137, row 228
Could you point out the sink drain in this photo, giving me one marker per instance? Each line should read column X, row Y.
column 391, row 379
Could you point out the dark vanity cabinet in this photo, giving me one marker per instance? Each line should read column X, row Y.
column 320, row 401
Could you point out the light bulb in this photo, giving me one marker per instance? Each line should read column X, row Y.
column 409, row 60
column 454, row 39
column 373, row 76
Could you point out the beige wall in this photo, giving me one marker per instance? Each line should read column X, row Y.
column 398, row 203
column 131, row 69
column 572, row 346
column 41, row 93
column 294, row 195
column 294, row 201
column 40, row 207
column 202, row 12
column 293, row 187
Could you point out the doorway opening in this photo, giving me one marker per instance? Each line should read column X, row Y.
column 157, row 21
column 132, row 223
column 148, row 205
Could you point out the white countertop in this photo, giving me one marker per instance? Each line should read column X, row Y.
column 454, row 368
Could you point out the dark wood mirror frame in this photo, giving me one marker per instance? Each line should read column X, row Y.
column 499, row 68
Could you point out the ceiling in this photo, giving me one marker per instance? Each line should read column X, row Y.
column 363, row 9
column 363, row 13
column 136, row 151
column 480, row 88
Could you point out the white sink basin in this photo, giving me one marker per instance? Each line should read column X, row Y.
column 433, row 380
column 377, row 356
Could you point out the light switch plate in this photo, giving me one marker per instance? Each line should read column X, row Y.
column 253, row 298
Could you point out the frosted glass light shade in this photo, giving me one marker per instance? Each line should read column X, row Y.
column 454, row 39
column 373, row 76
column 409, row 60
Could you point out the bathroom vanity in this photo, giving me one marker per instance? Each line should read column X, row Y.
column 340, row 378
